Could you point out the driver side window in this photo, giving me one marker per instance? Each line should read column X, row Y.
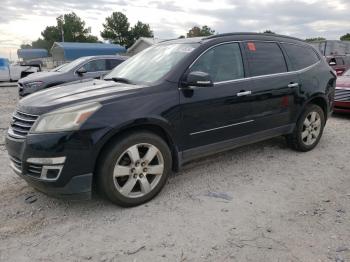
column 222, row 63
column 95, row 65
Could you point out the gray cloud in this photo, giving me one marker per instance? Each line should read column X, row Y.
column 295, row 17
column 286, row 17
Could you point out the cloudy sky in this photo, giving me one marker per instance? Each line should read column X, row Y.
column 21, row 21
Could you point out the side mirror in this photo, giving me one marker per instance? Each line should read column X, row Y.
column 332, row 63
column 198, row 78
column 81, row 71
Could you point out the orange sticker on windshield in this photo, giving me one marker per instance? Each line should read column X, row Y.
column 251, row 47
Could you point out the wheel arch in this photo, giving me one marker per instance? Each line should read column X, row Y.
column 321, row 101
column 153, row 126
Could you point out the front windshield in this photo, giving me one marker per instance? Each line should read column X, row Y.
column 152, row 63
column 58, row 68
column 71, row 65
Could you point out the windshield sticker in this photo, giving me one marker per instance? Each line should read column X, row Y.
column 251, row 47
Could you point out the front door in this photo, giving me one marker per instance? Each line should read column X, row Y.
column 223, row 111
column 95, row 68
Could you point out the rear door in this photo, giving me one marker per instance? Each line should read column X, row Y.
column 217, row 113
column 273, row 87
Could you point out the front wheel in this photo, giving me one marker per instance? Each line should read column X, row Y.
column 134, row 168
column 308, row 130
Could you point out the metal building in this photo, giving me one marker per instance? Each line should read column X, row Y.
column 28, row 54
column 68, row 51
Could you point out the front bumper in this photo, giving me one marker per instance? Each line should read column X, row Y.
column 342, row 100
column 58, row 164
column 341, row 107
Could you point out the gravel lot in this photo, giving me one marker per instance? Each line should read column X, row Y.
column 262, row 202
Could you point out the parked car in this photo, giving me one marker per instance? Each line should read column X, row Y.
column 342, row 94
column 340, row 63
column 81, row 68
column 169, row 104
column 13, row 72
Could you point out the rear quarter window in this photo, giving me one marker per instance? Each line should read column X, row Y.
column 264, row 58
column 300, row 56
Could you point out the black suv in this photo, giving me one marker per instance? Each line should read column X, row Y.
column 171, row 103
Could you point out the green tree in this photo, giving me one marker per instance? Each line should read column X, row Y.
column 139, row 30
column 197, row 31
column 72, row 27
column 345, row 37
column 116, row 29
column 313, row 39
column 25, row 46
column 269, row 32
column 42, row 43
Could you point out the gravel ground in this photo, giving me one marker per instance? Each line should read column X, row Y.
column 262, row 202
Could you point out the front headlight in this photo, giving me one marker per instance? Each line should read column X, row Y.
column 66, row 119
column 35, row 84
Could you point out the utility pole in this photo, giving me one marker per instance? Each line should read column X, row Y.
column 62, row 32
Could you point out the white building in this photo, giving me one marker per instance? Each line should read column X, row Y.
column 141, row 44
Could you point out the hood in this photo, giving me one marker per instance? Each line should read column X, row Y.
column 39, row 76
column 343, row 81
column 78, row 92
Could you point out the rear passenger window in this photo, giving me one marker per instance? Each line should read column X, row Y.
column 300, row 56
column 223, row 63
column 265, row 58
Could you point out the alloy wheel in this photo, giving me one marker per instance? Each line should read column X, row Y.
column 138, row 170
column 311, row 128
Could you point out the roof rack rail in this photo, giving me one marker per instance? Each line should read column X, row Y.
column 250, row 33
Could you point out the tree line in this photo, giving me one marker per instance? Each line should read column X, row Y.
column 116, row 29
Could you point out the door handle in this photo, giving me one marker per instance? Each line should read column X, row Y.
column 291, row 85
column 244, row 93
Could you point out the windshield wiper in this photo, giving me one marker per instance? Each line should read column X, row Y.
column 120, row 80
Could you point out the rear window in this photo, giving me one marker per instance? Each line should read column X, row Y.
column 265, row 58
column 300, row 56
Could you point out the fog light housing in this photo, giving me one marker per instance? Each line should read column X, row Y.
column 48, row 169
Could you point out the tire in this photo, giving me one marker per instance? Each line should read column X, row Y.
column 305, row 138
column 128, row 178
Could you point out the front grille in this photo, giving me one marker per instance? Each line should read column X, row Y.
column 342, row 95
column 21, row 124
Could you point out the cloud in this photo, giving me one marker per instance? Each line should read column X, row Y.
column 23, row 20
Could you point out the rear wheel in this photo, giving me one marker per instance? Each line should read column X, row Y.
column 134, row 168
column 308, row 130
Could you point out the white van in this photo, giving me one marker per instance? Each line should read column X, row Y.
column 12, row 72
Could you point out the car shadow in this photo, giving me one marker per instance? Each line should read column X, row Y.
column 341, row 116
